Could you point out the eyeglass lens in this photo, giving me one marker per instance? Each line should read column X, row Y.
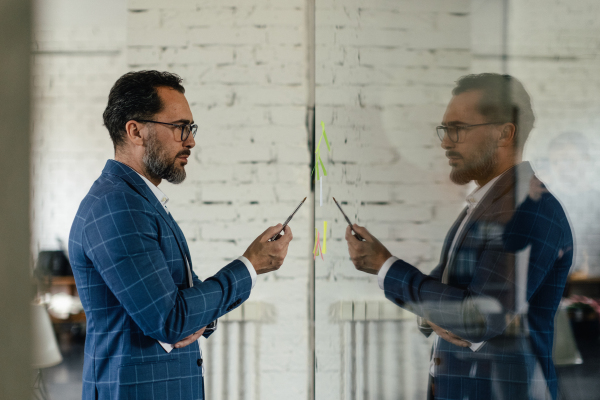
column 451, row 131
column 186, row 130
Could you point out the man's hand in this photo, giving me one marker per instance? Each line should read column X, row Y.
column 189, row 340
column 268, row 256
column 368, row 256
column 449, row 336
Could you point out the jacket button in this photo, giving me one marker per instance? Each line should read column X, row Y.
column 199, row 362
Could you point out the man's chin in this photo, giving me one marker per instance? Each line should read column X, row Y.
column 175, row 175
column 460, row 177
column 177, row 179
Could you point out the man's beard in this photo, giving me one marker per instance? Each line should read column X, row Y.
column 480, row 168
column 158, row 165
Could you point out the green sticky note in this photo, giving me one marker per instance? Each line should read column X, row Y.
column 325, row 135
column 318, row 148
column 323, row 166
column 317, row 167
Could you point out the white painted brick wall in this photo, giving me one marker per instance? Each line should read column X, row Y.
column 384, row 74
column 78, row 54
column 385, row 69
column 244, row 69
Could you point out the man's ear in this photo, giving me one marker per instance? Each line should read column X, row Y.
column 133, row 133
column 507, row 135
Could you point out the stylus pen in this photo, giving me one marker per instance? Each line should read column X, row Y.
column 287, row 221
column 356, row 235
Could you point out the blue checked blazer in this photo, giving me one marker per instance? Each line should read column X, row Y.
column 127, row 255
column 511, row 248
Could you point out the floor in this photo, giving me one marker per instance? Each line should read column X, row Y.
column 63, row 381
column 577, row 382
column 582, row 382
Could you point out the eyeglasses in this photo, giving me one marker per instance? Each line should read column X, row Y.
column 186, row 129
column 452, row 131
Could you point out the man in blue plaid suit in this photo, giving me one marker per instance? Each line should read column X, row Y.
column 145, row 306
column 493, row 296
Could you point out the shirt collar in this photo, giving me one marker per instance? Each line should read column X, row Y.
column 476, row 195
column 160, row 196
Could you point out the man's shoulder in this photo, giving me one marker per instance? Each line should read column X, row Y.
column 547, row 206
column 110, row 193
column 552, row 208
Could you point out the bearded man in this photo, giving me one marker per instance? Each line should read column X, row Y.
column 145, row 306
column 493, row 296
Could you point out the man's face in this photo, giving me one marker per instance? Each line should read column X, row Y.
column 166, row 155
column 474, row 156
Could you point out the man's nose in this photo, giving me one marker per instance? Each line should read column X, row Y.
column 446, row 142
column 190, row 142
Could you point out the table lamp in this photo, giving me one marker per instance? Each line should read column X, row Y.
column 45, row 348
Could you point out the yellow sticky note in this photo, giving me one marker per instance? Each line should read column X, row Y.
column 324, row 237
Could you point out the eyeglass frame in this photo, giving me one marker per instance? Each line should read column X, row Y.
column 193, row 127
column 458, row 127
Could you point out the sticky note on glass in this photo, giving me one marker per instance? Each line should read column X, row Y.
column 317, row 250
column 324, row 237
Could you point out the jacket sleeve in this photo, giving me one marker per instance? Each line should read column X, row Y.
column 484, row 309
column 211, row 327
column 121, row 237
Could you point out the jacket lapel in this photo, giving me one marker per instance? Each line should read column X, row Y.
column 504, row 186
column 179, row 234
column 450, row 238
column 136, row 183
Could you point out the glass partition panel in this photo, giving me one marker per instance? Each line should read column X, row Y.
column 385, row 74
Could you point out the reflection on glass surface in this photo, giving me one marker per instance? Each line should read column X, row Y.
column 486, row 281
column 492, row 298
column 385, row 71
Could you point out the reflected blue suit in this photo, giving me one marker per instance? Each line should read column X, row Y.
column 127, row 255
column 481, row 300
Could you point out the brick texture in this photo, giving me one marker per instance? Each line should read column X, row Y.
column 384, row 72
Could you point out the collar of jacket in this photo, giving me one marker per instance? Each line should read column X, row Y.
column 134, row 181
column 513, row 186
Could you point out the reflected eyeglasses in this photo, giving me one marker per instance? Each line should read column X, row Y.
column 452, row 131
column 186, row 129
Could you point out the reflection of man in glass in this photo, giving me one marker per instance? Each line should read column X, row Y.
column 493, row 296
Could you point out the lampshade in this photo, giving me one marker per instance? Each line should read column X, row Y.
column 45, row 349
column 565, row 349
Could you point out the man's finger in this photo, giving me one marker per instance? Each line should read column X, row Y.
column 271, row 231
column 362, row 231
column 348, row 233
column 452, row 335
column 190, row 339
column 456, row 342
column 449, row 336
column 185, row 342
column 287, row 235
